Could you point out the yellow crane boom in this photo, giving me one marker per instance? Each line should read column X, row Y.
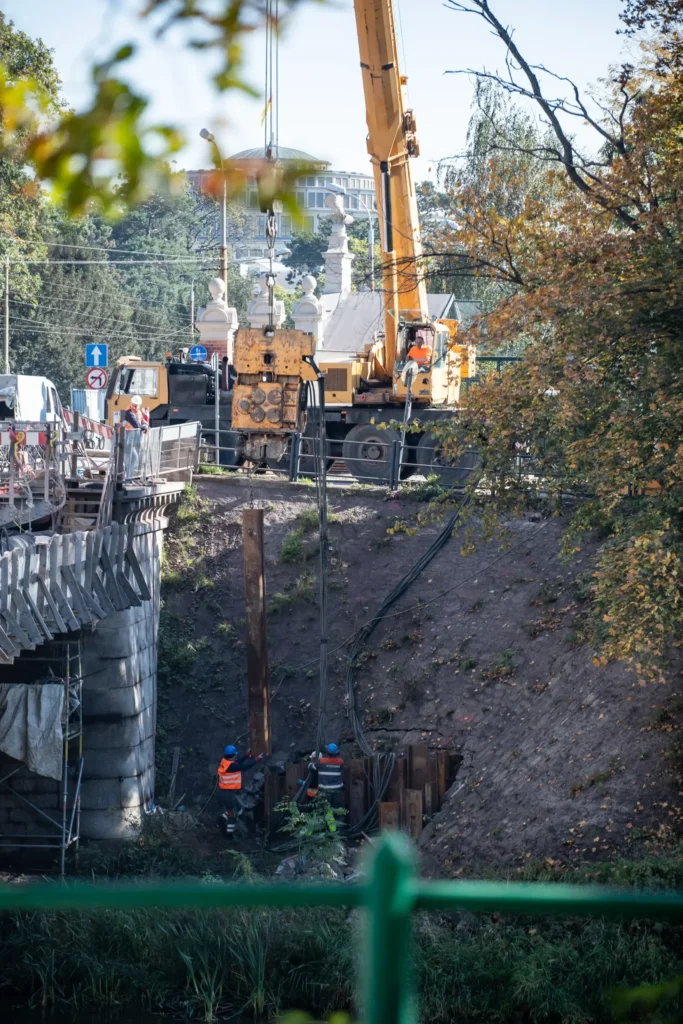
column 391, row 143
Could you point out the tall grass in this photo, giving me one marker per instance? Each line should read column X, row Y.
column 262, row 962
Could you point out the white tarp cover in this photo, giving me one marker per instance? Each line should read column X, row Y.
column 31, row 725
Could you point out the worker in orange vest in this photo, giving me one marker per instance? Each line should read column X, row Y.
column 230, row 783
column 330, row 769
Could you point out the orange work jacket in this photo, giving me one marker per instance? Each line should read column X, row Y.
column 228, row 779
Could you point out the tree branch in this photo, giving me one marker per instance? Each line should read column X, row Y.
column 549, row 107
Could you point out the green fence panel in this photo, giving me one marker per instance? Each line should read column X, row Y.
column 392, row 893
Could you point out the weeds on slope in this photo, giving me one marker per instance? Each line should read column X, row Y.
column 262, row 962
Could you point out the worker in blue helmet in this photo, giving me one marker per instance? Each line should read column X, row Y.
column 230, row 783
column 330, row 768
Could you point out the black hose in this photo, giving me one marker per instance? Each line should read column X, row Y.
column 383, row 764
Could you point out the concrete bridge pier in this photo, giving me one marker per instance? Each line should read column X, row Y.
column 119, row 669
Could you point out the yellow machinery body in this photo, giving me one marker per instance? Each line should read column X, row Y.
column 267, row 400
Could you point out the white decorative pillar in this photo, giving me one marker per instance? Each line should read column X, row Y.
column 338, row 259
column 308, row 312
column 217, row 322
column 258, row 310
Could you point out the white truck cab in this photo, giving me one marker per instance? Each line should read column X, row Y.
column 29, row 399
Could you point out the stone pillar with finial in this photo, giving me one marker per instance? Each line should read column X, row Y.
column 309, row 312
column 217, row 322
column 338, row 259
column 258, row 312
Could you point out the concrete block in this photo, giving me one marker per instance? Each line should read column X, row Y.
column 46, row 801
column 138, row 790
column 114, row 824
column 110, row 640
column 119, row 762
column 123, row 701
column 126, row 732
column 28, row 782
column 100, row 794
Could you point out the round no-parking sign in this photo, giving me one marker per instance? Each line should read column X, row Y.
column 96, row 378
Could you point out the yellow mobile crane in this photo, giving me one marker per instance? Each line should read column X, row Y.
column 368, row 390
column 365, row 390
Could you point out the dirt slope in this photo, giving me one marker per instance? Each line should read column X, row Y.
column 561, row 759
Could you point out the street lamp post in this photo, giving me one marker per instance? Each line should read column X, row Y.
column 210, row 137
column 338, row 190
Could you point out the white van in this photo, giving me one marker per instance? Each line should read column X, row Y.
column 29, row 399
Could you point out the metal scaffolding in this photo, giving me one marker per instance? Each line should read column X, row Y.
column 64, row 828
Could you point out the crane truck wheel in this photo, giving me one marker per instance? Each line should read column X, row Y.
column 429, row 459
column 367, row 452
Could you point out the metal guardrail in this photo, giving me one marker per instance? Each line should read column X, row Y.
column 145, row 457
column 396, row 461
column 392, row 893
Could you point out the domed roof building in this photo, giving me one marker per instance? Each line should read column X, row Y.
column 248, row 239
column 282, row 153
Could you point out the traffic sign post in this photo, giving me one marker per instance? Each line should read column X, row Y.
column 198, row 354
column 97, row 355
column 96, row 379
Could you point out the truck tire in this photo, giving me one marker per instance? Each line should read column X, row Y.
column 429, row 460
column 367, row 452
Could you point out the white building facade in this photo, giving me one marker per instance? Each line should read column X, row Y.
column 312, row 190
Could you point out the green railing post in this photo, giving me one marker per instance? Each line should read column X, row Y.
column 390, row 996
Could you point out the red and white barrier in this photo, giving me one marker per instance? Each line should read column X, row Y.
column 87, row 424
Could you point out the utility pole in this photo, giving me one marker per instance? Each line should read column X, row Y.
column 210, row 137
column 7, row 314
column 258, row 680
column 192, row 313
column 224, row 232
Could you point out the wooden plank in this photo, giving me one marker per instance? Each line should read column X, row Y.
column 41, row 574
column 89, row 566
column 356, row 792
column 33, row 608
column 418, row 765
column 271, row 795
column 138, row 574
column 293, row 771
column 398, row 781
column 56, row 619
column 258, row 678
column 442, row 761
column 77, row 601
column 389, row 816
column 412, row 812
column 174, row 775
column 431, row 799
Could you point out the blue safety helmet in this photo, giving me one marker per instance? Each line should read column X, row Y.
column 332, row 748
column 230, row 751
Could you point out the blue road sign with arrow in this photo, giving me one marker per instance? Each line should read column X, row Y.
column 97, row 354
column 198, row 354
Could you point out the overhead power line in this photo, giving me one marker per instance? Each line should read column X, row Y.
column 175, row 261
column 44, row 327
column 79, row 313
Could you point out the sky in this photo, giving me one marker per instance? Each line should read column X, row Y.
column 321, row 98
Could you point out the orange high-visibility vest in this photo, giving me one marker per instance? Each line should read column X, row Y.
column 330, row 772
column 226, row 778
column 421, row 355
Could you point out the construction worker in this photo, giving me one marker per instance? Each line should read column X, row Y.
column 230, row 783
column 420, row 351
column 133, row 420
column 330, row 769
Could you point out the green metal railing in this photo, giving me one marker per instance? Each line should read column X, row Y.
column 391, row 894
